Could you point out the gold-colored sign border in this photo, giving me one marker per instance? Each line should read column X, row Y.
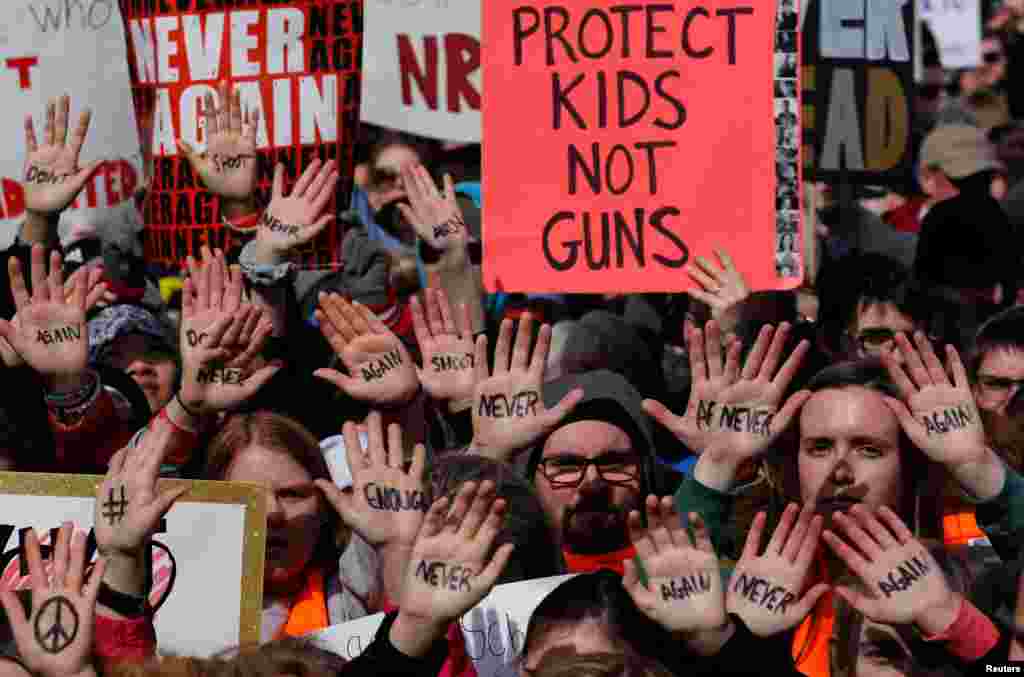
column 252, row 496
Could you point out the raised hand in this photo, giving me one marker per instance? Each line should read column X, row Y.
column 128, row 505
column 684, row 593
column 765, row 589
column 939, row 415
column 735, row 414
column 53, row 178
column 380, row 369
column 49, row 333
column 508, row 409
column 723, row 288
column 451, row 568
column 385, row 504
column 221, row 338
column 228, row 165
column 904, row 581
column 294, row 220
column 436, row 217
column 56, row 641
column 447, row 347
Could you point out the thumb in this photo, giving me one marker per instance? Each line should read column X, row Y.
column 859, row 601
column 186, row 149
column 83, row 175
column 555, row 415
column 785, row 415
column 630, row 577
column 260, row 377
column 163, row 503
column 16, row 619
column 342, row 382
column 902, row 413
column 662, row 414
column 407, row 213
column 310, row 232
column 810, row 598
column 492, row 571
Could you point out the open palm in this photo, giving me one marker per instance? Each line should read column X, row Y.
column 50, row 334
column 52, row 176
column 450, row 570
column 435, row 216
column 294, row 220
column 447, row 347
column 509, row 413
column 228, row 165
column 685, row 592
column 733, row 409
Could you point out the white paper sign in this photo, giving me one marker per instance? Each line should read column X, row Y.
column 494, row 630
column 206, row 571
column 956, row 25
column 75, row 47
column 421, row 67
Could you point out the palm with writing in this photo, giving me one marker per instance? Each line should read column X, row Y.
column 50, row 333
column 228, row 165
column 128, row 505
column 379, row 367
column 904, row 582
column 685, row 592
column 502, row 431
column 435, row 216
column 452, row 568
column 293, row 220
column 380, row 468
column 447, row 348
column 52, row 176
column 56, row 639
column 942, row 418
column 718, row 389
column 765, row 589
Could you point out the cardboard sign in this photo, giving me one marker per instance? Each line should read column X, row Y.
column 207, row 560
column 422, row 67
column 623, row 141
column 54, row 47
column 858, row 81
column 494, row 630
column 956, row 25
column 296, row 63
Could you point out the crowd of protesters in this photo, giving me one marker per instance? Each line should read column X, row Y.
column 820, row 482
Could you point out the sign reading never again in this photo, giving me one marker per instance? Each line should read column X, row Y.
column 858, row 79
column 625, row 140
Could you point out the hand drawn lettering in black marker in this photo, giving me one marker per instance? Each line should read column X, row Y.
column 705, row 412
column 746, row 419
column 226, row 376
column 224, row 163
column 685, row 586
column 443, row 575
column 375, row 369
column 59, row 335
column 904, row 576
column 114, row 509
column 452, row 226
column 395, row 500
column 275, row 225
column 763, row 592
column 41, row 176
column 194, row 337
column 457, row 362
column 947, row 420
column 520, row 405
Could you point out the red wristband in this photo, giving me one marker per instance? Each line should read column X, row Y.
column 244, row 224
column 971, row 635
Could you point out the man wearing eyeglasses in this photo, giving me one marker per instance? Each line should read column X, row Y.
column 998, row 361
column 593, row 469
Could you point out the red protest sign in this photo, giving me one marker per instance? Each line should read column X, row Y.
column 296, row 65
column 623, row 141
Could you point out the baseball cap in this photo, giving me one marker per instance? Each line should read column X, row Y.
column 959, row 151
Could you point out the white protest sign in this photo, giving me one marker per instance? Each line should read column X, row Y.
column 75, row 47
column 209, row 569
column 956, row 25
column 421, row 67
column 494, row 630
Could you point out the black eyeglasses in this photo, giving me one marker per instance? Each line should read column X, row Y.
column 568, row 471
column 876, row 340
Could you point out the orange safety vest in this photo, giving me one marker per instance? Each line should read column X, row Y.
column 309, row 612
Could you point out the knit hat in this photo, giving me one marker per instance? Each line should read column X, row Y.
column 122, row 320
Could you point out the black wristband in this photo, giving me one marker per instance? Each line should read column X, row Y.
column 128, row 606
